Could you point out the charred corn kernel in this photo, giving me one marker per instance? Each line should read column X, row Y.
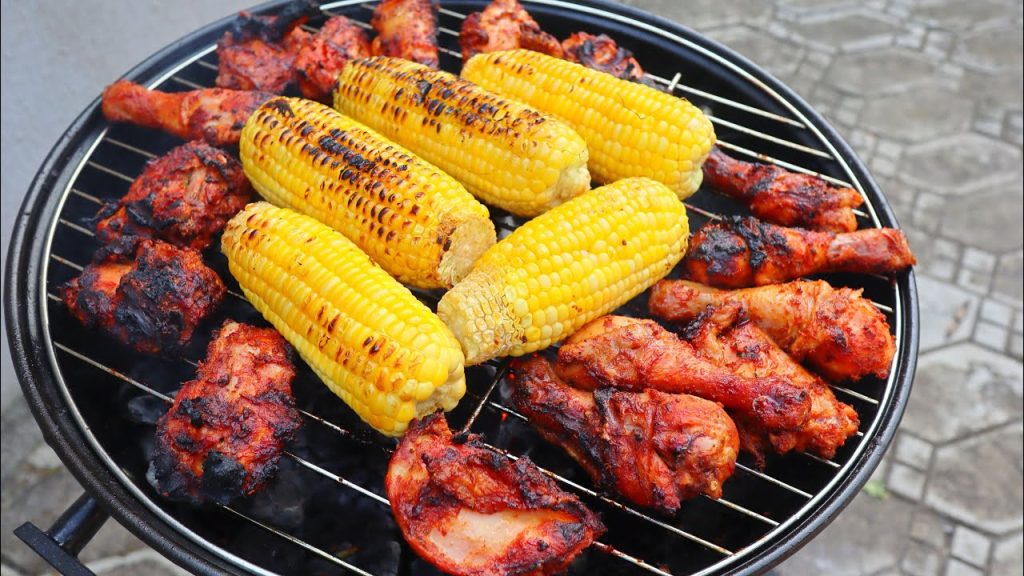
column 566, row 267
column 506, row 154
column 414, row 220
column 630, row 129
column 365, row 335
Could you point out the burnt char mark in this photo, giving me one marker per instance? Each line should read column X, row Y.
column 281, row 106
column 272, row 29
column 763, row 240
column 224, row 478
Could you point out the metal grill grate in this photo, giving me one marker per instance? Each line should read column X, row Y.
column 708, row 536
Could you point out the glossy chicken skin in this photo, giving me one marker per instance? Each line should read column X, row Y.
column 738, row 252
column 406, row 29
column 148, row 294
column 835, row 331
column 727, row 338
column 469, row 510
column 224, row 434
column 634, row 355
column 320, row 58
column 602, row 53
column 184, row 197
column 258, row 52
column 782, row 197
column 653, row 448
column 504, row 25
column 215, row 115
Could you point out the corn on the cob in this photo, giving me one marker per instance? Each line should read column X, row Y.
column 414, row 220
column 506, row 154
column 630, row 129
column 365, row 335
column 566, row 267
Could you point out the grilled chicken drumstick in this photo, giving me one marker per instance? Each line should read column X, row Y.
column 833, row 330
column 634, row 355
column 653, row 448
column 469, row 510
column 602, row 53
column 737, row 252
column 406, row 29
column 504, row 25
column 258, row 52
column 782, row 197
column 726, row 338
column 224, row 434
column 320, row 57
column 215, row 115
column 184, row 197
column 148, row 294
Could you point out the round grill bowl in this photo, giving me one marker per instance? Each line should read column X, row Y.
column 91, row 397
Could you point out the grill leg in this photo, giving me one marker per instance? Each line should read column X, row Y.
column 60, row 545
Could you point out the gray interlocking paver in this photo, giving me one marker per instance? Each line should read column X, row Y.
column 989, row 220
column 907, row 481
column 948, row 313
column 851, row 31
column 921, row 560
column 880, row 71
column 994, row 48
column 957, row 568
column 779, row 56
column 1008, row 556
column 961, row 163
column 913, row 451
column 971, row 546
column 919, row 114
column 932, row 528
column 960, row 15
column 1007, row 279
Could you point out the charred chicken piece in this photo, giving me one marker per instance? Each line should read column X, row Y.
column 215, row 115
column 406, row 29
column 320, row 58
column 469, row 510
column 833, row 330
column 653, row 448
column 184, row 197
column 224, row 434
column 738, row 252
column 602, row 53
column 782, row 197
column 727, row 338
column 504, row 25
column 258, row 52
column 148, row 294
column 634, row 355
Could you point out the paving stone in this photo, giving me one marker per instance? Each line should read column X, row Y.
column 992, row 91
column 957, row 568
column 974, row 280
column 959, row 15
column 979, row 480
column 888, row 70
column 906, row 481
column 989, row 220
column 778, row 56
column 978, row 260
column 1006, row 281
column 996, row 312
column 6, row 570
column 913, row 451
column 963, row 389
column 947, row 313
column 1016, row 347
column 931, row 528
column 918, row 114
column 921, row 560
column 1008, row 557
column 961, row 163
column 701, row 14
column 846, row 31
column 993, row 49
column 991, row 335
column 971, row 546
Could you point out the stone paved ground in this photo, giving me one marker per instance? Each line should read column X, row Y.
column 930, row 95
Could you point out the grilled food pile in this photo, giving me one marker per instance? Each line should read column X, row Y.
column 395, row 187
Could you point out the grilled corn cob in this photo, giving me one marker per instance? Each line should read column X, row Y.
column 506, row 154
column 566, row 267
column 365, row 335
column 630, row 129
column 414, row 220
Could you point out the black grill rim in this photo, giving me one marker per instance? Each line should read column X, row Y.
column 26, row 259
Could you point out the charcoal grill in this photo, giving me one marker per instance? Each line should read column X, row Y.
column 326, row 513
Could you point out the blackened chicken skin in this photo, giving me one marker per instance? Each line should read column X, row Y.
column 653, row 448
column 738, row 252
column 406, row 29
column 505, row 25
column 184, row 197
column 320, row 58
column 224, row 434
column 602, row 53
column 469, row 510
column 835, row 331
column 215, row 115
column 777, row 195
column 148, row 294
column 726, row 337
column 258, row 52
column 634, row 355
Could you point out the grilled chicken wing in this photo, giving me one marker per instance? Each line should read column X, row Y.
column 215, row 115
column 834, row 330
column 504, row 25
column 148, row 294
column 726, row 337
column 742, row 251
column 320, row 58
column 469, row 510
column 782, row 197
column 258, row 52
column 602, row 53
column 655, row 449
column 223, row 436
column 631, row 354
column 406, row 29
column 184, row 197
